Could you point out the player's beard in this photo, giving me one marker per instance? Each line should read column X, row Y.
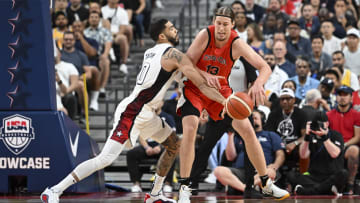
column 173, row 40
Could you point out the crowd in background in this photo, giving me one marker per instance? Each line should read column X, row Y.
column 309, row 126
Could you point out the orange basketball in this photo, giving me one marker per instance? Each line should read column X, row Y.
column 239, row 105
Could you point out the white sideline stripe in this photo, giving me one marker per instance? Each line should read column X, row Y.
column 242, row 101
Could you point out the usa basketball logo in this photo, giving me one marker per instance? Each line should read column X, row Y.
column 17, row 133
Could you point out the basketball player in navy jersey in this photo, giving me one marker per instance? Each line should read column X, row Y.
column 214, row 51
column 135, row 116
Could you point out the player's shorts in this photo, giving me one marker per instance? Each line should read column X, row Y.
column 146, row 124
column 198, row 101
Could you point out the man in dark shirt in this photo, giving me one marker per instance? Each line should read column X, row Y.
column 76, row 11
column 326, row 174
column 297, row 45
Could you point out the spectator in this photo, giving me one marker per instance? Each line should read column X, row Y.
column 326, row 88
column 90, row 47
column 303, row 81
column 148, row 149
column 76, row 11
column 240, row 25
column 270, row 27
column 279, row 50
column 346, row 120
column 67, row 79
column 356, row 100
column 289, row 122
column 273, row 151
column 320, row 61
column 60, row 5
column 255, row 38
column 326, row 174
column 334, row 76
column 281, row 17
column 254, row 11
column 95, row 7
column 352, row 51
column 324, row 14
column 136, row 16
column 316, row 6
column 308, row 21
column 348, row 78
column 341, row 19
column 297, row 45
column 277, row 77
column 71, row 55
column 61, row 23
column 238, row 6
column 313, row 104
column 291, row 85
column 170, row 108
column 120, row 29
column 331, row 43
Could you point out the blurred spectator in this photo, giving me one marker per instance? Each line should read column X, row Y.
column 324, row 14
column 334, row 76
column 95, row 7
column 67, row 79
column 341, row 19
column 297, row 45
column 270, row 27
column 348, row 78
column 76, row 57
column 120, row 29
column 238, row 6
column 279, row 50
column 104, row 39
column 170, row 108
column 320, row 61
column 281, row 17
column 316, row 6
column 255, row 38
column 289, row 122
column 326, row 88
column 273, row 149
column 308, row 21
column 356, row 100
column 346, row 120
column 277, row 77
column 240, row 25
column 254, row 11
column 136, row 16
column 352, row 51
column 326, row 174
column 303, row 80
column 61, row 25
column 313, row 104
column 76, row 11
column 331, row 43
column 60, row 5
column 148, row 149
column 290, row 7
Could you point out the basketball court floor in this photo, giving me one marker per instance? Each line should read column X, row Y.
column 120, row 197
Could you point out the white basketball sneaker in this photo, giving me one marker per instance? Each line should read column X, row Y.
column 184, row 194
column 272, row 190
column 157, row 199
column 50, row 196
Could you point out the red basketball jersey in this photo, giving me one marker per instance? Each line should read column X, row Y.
column 217, row 61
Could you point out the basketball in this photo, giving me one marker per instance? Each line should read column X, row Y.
column 239, row 105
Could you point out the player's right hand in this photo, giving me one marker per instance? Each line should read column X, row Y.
column 212, row 80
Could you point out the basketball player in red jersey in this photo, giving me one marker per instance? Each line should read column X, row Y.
column 214, row 52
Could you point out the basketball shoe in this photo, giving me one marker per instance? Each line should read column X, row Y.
column 184, row 194
column 157, row 198
column 50, row 196
column 272, row 190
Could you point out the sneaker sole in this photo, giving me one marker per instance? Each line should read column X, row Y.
column 283, row 197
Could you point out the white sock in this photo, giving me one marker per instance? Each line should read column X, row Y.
column 94, row 95
column 64, row 184
column 157, row 185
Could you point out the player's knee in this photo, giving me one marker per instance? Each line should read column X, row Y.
column 218, row 171
column 104, row 160
column 172, row 143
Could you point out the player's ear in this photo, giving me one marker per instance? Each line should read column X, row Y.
column 162, row 36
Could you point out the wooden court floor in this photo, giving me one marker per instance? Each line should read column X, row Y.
column 113, row 197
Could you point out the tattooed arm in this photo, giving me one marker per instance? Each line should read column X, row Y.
column 174, row 59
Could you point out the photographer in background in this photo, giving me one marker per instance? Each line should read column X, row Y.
column 326, row 174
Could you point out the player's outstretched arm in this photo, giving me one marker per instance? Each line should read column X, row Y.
column 176, row 59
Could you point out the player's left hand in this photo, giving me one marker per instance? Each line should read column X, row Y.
column 257, row 94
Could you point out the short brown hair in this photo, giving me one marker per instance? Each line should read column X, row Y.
column 225, row 11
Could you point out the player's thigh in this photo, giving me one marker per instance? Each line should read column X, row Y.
column 243, row 127
column 157, row 129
